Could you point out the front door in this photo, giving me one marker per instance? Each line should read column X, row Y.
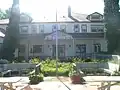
column 61, row 50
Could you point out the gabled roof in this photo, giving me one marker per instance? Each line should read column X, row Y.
column 93, row 14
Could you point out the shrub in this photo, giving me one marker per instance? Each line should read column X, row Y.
column 48, row 67
column 35, row 61
column 35, row 79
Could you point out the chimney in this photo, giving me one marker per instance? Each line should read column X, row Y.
column 69, row 11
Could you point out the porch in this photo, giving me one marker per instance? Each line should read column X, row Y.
column 67, row 46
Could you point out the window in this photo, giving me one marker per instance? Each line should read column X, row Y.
column 97, row 28
column 37, row 48
column 22, row 48
column 76, row 28
column 83, row 28
column 24, row 29
column 34, row 28
column 97, row 48
column 81, row 48
column 54, row 27
column 95, row 16
column 63, row 28
column 41, row 28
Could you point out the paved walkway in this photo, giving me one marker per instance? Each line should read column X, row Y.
column 52, row 83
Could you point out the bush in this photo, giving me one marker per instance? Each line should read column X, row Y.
column 48, row 67
column 35, row 79
column 35, row 61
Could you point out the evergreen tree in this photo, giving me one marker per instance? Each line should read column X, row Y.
column 11, row 39
column 112, row 19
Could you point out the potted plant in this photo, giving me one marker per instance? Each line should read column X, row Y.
column 75, row 76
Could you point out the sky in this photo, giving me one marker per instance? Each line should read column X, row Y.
column 41, row 8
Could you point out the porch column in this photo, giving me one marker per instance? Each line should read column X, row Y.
column 51, row 50
column 93, row 49
column 44, row 47
column 26, row 54
column 73, row 47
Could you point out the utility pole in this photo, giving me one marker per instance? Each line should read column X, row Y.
column 56, row 45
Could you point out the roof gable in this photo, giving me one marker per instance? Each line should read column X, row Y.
column 95, row 17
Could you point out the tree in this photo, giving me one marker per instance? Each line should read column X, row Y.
column 112, row 19
column 4, row 14
column 7, row 13
column 11, row 39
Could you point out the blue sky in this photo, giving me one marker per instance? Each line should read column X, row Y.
column 37, row 8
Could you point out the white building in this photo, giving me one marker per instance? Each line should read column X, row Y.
column 78, row 35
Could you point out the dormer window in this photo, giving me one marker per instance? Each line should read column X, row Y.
column 95, row 16
column 76, row 28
